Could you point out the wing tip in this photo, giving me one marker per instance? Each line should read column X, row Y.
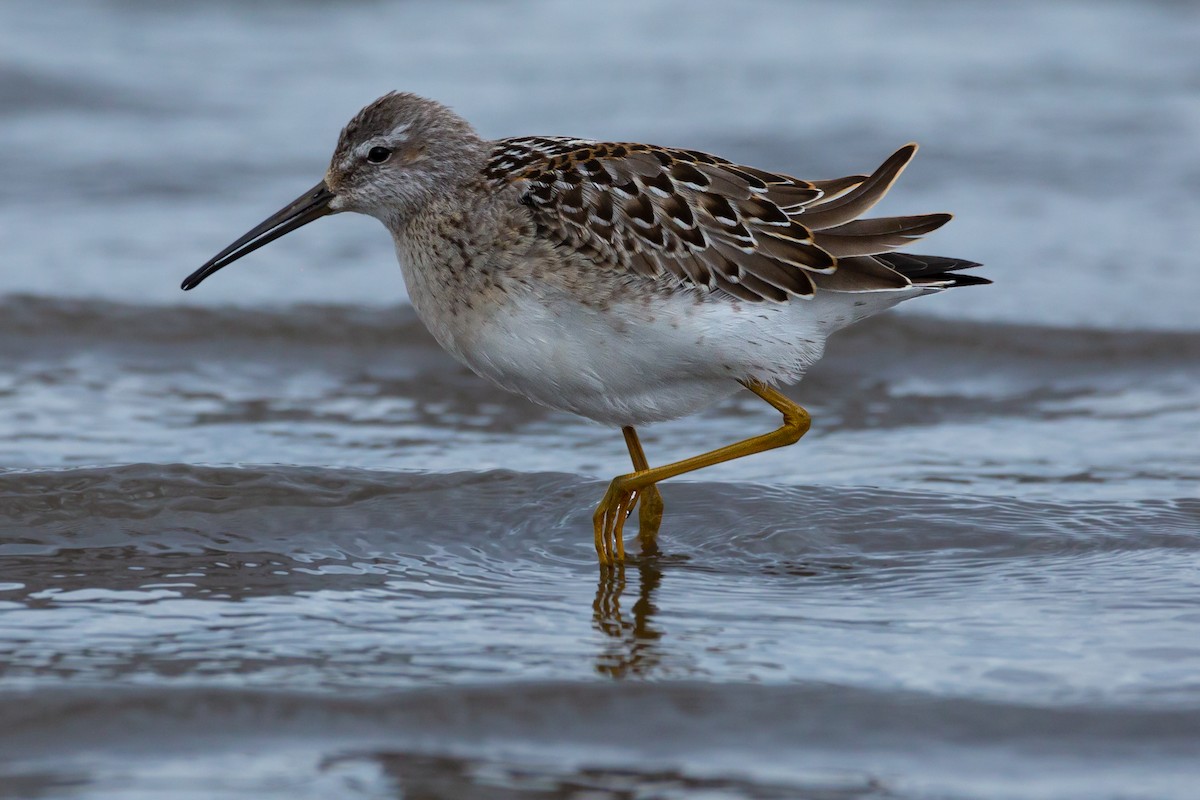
column 936, row 271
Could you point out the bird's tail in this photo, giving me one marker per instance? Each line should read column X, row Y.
column 864, row 247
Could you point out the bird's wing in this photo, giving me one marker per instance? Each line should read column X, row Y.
column 709, row 222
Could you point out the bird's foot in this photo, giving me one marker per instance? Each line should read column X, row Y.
column 609, row 519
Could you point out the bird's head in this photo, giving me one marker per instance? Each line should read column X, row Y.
column 395, row 154
column 394, row 157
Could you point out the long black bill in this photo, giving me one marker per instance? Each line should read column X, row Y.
column 311, row 205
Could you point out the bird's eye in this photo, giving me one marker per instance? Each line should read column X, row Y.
column 378, row 155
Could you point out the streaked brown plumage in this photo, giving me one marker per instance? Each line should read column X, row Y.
column 755, row 235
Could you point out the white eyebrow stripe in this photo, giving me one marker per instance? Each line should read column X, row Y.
column 393, row 138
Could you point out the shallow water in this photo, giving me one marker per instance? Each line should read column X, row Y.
column 266, row 540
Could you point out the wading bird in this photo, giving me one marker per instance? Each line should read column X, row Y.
column 627, row 283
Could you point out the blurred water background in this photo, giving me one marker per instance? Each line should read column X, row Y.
column 266, row 540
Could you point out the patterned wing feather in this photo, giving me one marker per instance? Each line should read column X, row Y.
column 708, row 222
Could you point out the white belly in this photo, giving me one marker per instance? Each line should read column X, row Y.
column 622, row 366
column 636, row 363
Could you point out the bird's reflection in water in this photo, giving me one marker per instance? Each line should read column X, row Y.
column 633, row 640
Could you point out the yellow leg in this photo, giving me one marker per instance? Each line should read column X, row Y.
column 650, row 502
column 609, row 519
